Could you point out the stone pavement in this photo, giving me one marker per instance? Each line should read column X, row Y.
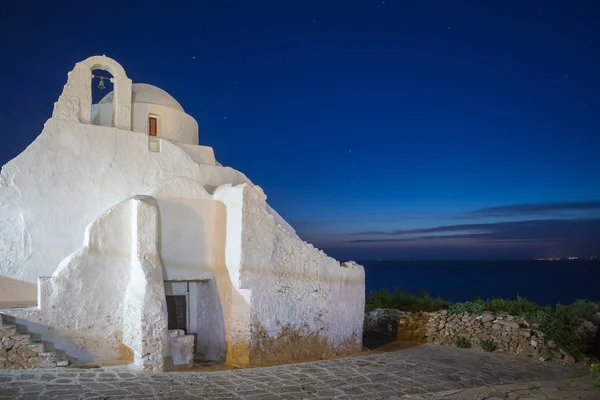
column 421, row 372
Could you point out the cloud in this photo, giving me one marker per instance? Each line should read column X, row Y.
column 519, row 231
column 538, row 209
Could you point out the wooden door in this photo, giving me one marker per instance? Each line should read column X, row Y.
column 177, row 312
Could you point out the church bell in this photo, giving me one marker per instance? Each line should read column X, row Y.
column 101, row 84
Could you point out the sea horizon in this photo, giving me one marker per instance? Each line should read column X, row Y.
column 546, row 282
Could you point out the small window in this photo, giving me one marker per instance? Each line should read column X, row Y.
column 152, row 126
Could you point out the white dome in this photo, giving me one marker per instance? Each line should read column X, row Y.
column 144, row 93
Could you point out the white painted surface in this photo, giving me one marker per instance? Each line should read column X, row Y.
column 75, row 102
column 68, row 177
column 190, row 242
column 293, row 283
column 108, row 292
column 200, row 154
column 145, row 93
column 181, row 347
column 172, row 122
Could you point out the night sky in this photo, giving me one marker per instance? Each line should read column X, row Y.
column 379, row 129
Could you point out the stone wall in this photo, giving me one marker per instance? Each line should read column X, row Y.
column 510, row 334
column 18, row 351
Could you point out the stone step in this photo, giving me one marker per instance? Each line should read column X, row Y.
column 47, row 359
column 21, row 339
column 38, row 347
column 61, row 358
column 8, row 329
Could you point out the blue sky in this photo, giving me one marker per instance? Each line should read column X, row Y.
column 372, row 126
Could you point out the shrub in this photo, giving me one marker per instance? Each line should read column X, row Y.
column 378, row 299
column 560, row 325
column 404, row 301
column 476, row 308
column 488, row 345
column 463, row 343
column 595, row 372
column 584, row 309
column 519, row 307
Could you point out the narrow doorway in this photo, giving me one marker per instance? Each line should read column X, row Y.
column 177, row 312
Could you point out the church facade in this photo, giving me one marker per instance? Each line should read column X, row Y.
column 123, row 240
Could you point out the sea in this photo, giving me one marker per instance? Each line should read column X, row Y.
column 544, row 282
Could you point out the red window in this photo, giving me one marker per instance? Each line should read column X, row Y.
column 152, row 126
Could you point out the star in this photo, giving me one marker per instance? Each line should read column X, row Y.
column 194, row 57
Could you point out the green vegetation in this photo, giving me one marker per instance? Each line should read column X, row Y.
column 463, row 343
column 404, row 301
column 488, row 345
column 595, row 372
column 468, row 306
column 558, row 323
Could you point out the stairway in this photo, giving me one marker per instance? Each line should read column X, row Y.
column 19, row 351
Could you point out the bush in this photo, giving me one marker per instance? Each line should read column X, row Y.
column 404, row 301
column 560, row 325
column 584, row 309
column 471, row 307
column 488, row 345
column 378, row 299
column 519, row 307
column 463, row 343
column 595, row 373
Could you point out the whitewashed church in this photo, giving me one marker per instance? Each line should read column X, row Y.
column 124, row 241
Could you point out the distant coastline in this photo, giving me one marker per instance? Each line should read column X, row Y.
column 545, row 282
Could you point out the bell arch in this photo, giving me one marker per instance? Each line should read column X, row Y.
column 75, row 101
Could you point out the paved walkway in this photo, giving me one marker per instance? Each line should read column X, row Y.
column 422, row 372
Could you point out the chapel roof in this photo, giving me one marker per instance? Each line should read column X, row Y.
column 145, row 93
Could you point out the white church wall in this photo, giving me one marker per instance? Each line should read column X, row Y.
column 200, row 154
column 193, row 242
column 173, row 124
column 186, row 238
column 278, row 219
column 211, row 329
column 296, row 287
column 75, row 101
column 102, row 114
column 105, row 303
column 67, row 177
column 298, row 296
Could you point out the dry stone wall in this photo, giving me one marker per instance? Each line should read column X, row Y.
column 510, row 334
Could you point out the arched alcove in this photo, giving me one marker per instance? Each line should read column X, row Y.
column 101, row 85
column 75, row 102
